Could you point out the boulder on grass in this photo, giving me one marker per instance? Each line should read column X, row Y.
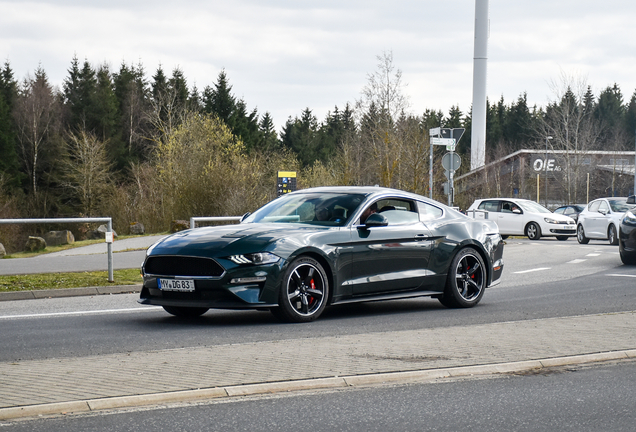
column 179, row 225
column 99, row 233
column 34, row 244
column 56, row 238
column 137, row 228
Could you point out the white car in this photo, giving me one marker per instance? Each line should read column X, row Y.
column 523, row 217
column 601, row 218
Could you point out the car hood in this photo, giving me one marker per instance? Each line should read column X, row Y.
column 234, row 239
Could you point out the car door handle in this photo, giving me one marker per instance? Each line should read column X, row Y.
column 421, row 236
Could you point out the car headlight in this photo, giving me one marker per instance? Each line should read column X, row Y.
column 258, row 258
column 553, row 221
column 629, row 217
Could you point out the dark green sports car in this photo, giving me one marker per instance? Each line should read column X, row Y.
column 330, row 245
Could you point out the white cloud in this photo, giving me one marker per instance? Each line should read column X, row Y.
column 283, row 56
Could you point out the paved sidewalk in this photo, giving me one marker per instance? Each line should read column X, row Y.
column 129, row 253
column 154, row 377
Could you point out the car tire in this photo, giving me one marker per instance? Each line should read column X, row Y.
column 562, row 238
column 612, row 236
column 466, row 280
column 185, row 312
column 304, row 291
column 533, row 231
column 580, row 235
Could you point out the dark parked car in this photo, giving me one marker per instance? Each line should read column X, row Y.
column 571, row 210
column 627, row 234
column 331, row 245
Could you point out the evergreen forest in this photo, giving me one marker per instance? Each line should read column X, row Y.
column 151, row 148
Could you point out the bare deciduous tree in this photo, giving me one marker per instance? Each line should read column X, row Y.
column 87, row 171
column 36, row 115
column 572, row 127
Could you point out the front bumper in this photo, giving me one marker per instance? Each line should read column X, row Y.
column 495, row 248
column 240, row 287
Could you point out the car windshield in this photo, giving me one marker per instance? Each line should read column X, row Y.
column 315, row 208
column 533, row 207
column 620, row 205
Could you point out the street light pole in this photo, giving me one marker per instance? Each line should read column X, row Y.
column 545, row 166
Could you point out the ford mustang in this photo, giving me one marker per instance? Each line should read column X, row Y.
column 317, row 247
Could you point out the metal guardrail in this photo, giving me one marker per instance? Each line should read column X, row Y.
column 109, row 229
column 194, row 220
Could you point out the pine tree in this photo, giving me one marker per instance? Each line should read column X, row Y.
column 269, row 138
column 9, row 164
column 219, row 100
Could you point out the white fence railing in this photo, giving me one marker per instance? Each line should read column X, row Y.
column 109, row 231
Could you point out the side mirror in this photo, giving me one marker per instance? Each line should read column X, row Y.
column 516, row 211
column 631, row 199
column 376, row 220
column 603, row 211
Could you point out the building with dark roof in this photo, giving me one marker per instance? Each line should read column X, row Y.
column 552, row 178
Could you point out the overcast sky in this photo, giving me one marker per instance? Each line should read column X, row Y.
column 282, row 56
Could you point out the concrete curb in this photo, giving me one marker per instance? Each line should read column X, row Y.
column 420, row 376
column 69, row 292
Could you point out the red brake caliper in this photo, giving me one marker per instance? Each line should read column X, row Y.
column 313, row 287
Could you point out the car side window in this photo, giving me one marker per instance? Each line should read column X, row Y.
column 428, row 211
column 594, row 206
column 398, row 211
column 491, row 206
column 561, row 210
column 603, row 207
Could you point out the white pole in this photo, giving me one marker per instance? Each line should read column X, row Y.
column 480, row 60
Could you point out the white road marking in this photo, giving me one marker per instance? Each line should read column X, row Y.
column 533, row 270
column 94, row 312
column 621, row 275
column 576, row 261
column 593, row 255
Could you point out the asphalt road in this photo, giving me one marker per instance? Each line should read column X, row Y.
column 542, row 280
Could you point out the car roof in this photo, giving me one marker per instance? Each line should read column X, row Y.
column 366, row 190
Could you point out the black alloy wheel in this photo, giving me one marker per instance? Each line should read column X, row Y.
column 580, row 235
column 185, row 312
column 611, row 235
column 304, row 291
column 466, row 280
column 533, row 231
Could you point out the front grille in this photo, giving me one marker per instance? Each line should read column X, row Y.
column 182, row 266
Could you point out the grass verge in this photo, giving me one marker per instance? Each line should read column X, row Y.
column 42, row 281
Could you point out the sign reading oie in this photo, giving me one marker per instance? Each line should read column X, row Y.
column 545, row 165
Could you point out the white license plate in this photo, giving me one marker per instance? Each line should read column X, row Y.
column 183, row 285
column 568, row 227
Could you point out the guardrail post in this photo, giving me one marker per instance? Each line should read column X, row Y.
column 111, row 277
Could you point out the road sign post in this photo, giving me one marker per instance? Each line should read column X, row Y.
column 448, row 137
